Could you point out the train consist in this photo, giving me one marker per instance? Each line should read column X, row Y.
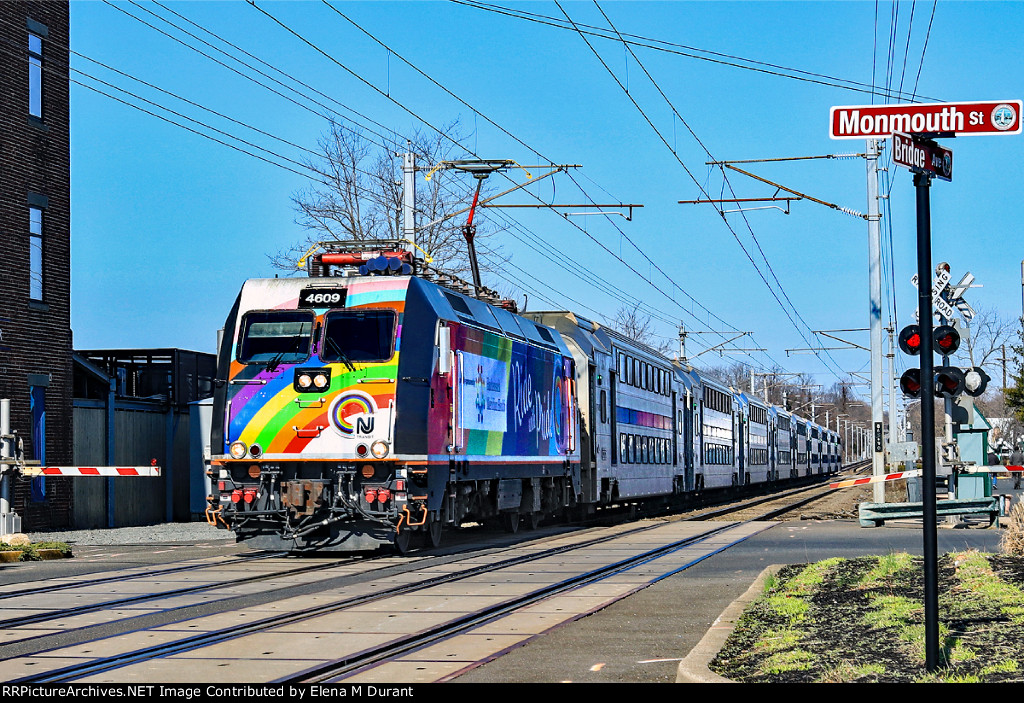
column 358, row 410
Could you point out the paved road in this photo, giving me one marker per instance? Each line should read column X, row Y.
column 642, row 638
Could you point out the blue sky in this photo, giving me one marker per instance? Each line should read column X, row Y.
column 166, row 224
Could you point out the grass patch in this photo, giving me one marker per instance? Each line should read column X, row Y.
column 30, row 552
column 859, row 620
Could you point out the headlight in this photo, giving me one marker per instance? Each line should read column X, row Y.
column 320, row 381
column 237, row 450
column 379, row 449
column 304, row 380
column 255, row 451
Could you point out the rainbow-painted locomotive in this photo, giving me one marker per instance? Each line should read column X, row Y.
column 360, row 410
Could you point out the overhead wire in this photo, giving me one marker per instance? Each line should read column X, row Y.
column 730, row 60
column 622, row 298
column 679, row 159
column 424, row 121
column 476, row 111
column 694, row 300
column 169, row 93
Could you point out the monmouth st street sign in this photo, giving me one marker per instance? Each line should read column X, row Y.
column 946, row 119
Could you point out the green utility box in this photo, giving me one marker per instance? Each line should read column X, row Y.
column 974, row 486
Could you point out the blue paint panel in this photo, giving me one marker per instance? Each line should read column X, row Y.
column 37, row 406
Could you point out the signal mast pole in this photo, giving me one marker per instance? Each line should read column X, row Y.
column 922, row 183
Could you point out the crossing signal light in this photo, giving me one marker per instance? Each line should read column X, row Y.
column 910, row 340
column 910, row 383
column 975, row 381
column 949, row 382
column 947, row 339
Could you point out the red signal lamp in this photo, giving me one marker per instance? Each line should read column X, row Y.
column 947, row 339
column 910, row 340
column 949, row 382
column 910, row 383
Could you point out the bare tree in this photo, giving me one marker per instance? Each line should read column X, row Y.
column 734, row 375
column 990, row 334
column 359, row 196
column 634, row 324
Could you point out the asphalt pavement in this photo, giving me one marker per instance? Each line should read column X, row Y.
column 642, row 639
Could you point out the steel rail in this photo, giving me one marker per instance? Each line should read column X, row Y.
column 201, row 640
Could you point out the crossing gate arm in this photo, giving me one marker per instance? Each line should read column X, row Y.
column 995, row 470
column 917, row 472
column 78, row 471
column 876, row 479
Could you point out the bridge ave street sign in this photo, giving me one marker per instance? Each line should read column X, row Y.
column 922, row 156
column 960, row 119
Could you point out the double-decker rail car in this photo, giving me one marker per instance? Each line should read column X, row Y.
column 801, row 447
column 784, row 456
column 719, row 426
column 832, row 451
column 814, row 448
column 359, row 410
column 757, row 462
column 628, row 396
column 354, row 411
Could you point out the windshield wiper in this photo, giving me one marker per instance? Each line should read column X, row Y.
column 341, row 354
column 277, row 358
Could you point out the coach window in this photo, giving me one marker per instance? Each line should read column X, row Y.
column 604, row 407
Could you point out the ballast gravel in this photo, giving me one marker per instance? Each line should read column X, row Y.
column 164, row 533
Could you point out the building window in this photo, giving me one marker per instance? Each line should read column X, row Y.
column 35, row 75
column 35, row 255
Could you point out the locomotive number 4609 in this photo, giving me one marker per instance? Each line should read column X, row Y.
column 321, row 298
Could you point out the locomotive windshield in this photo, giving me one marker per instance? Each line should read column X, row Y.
column 359, row 335
column 275, row 336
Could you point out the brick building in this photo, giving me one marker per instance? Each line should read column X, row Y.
column 35, row 249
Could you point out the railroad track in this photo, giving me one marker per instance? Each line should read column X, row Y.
column 590, row 558
column 299, row 575
column 374, row 591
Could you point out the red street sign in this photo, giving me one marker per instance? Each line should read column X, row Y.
column 922, row 156
column 960, row 119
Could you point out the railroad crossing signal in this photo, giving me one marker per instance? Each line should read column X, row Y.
column 947, row 381
column 945, row 340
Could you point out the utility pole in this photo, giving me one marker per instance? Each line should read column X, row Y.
column 409, row 200
column 893, row 425
column 875, row 313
